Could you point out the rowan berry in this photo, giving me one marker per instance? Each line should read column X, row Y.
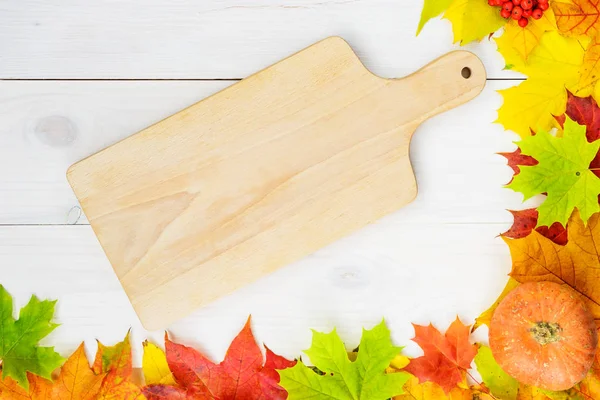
column 526, row 4
column 523, row 22
column 517, row 11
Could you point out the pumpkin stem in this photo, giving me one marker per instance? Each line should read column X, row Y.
column 546, row 332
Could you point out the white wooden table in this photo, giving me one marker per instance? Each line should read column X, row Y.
column 78, row 76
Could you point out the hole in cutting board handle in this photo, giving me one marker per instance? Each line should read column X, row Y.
column 466, row 72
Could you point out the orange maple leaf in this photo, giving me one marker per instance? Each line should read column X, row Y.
column 76, row 380
column 39, row 389
column 115, row 362
column 446, row 357
column 536, row 258
column 241, row 375
column 577, row 18
column 108, row 379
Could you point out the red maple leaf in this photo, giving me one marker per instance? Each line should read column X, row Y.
column 526, row 220
column 585, row 111
column 516, row 158
column 446, row 357
column 241, row 375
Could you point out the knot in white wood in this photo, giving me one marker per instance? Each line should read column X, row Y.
column 55, row 131
column 350, row 277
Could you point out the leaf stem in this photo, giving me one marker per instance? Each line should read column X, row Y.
column 484, row 389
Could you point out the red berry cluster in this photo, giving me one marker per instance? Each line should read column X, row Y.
column 521, row 10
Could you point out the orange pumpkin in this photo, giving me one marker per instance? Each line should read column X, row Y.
column 543, row 335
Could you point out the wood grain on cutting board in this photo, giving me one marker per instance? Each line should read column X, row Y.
column 261, row 174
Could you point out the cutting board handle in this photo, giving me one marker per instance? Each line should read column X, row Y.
column 445, row 83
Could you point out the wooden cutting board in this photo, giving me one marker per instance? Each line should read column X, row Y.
column 261, row 174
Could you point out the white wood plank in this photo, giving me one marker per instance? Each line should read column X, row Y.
column 386, row 270
column 212, row 38
column 47, row 126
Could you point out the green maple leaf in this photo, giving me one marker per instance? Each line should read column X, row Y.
column 502, row 385
column 563, row 172
column 364, row 378
column 18, row 339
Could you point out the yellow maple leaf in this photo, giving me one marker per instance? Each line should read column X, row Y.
column 486, row 316
column 536, row 258
column 155, row 367
column 555, row 57
column 552, row 67
column 589, row 73
column 524, row 40
column 532, row 105
column 590, row 385
column 470, row 393
column 413, row 390
column 578, row 18
column 531, row 393
column 472, row 20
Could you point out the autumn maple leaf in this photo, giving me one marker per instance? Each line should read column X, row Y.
column 589, row 387
column 589, row 72
column 76, row 379
column 38, row 389
column 471, row 20
column 523, row 40
column 532, row 393
column 525, row 221
column 155, row 367
column 536, row 258
column 414, row 390
column 553, row 65
column 579, row 18
column 446, row 357
column 500, row 384
column 109, row 379
column 241, row 375
column 431, row 9
column 115, row 362
column 342, row 379
column 517, row 158
column 585, row 111
column 563, row 173
column 19, row 352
